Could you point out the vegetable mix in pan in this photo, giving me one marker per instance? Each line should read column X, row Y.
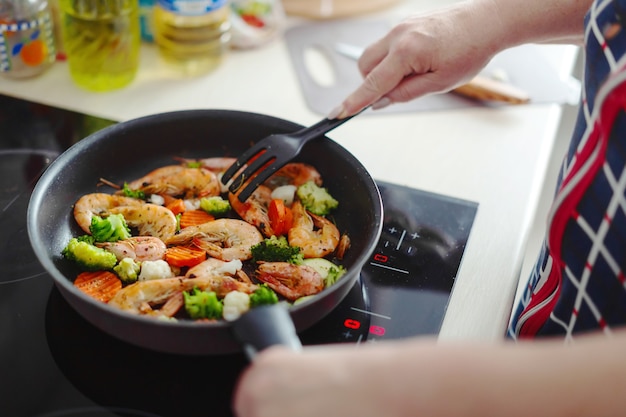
column 176, row 244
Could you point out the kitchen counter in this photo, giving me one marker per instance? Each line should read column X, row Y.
column 496, row 157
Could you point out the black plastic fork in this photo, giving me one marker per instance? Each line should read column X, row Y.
column 272, row 153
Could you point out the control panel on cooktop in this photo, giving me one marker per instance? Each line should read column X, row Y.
column 406, row 285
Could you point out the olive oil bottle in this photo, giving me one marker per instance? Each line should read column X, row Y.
column 102, row 40
column 192, row 35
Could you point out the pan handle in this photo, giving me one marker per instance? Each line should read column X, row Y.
column 265, row 326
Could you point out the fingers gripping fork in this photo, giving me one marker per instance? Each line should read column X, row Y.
column 272, row 153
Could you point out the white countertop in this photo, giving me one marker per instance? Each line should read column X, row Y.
column 494, row 156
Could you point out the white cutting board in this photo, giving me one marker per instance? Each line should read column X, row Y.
column 327, row 81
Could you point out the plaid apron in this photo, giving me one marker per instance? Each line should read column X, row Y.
column 579, row 281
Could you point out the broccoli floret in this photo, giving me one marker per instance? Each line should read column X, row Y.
column 133, row 193
column 316, row 199
column 109, row 229
column 127, row 270
column 215, row 205
column 263, row 295
column 276, row 249
column 203, row 304
column 87, row 239
column 88, row 257
column 194, row 164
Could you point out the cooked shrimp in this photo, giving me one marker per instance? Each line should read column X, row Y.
column 139, row 248
column 289, row 280
column 149, row 219
column 225, row 239
column 213, row 266
column 254, row 209
column 172, row 305
column 142, row 296
column 98, row 204
column 294, row 173
column 316, row 235
column 178, row 180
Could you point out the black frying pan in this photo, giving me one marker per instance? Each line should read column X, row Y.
column 129, row 150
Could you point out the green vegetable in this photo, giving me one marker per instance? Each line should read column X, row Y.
column 203, row 304
column 128, row 270
column 276, row 249
column 178, row 216
column 215, row 205
column 263, row 295
column 133, row 193
column 109, row 229
column 86, row 238
column 87, row 256
column 316, row 199
column 328, row 270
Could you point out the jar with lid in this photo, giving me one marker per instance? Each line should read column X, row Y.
column 27, row 46
column 192, row 35
column 102, row 42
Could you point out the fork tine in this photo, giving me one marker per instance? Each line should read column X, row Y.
column 241, row 161
column 258, row 179
column 248, row 172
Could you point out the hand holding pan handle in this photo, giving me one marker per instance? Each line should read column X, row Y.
column 265, row 326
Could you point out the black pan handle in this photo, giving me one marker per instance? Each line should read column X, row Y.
column 265, row 326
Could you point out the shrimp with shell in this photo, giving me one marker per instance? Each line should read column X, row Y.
column 224, row 239
column 138, row 248
column 212, row 275
column 149, row 219
column 290, row 280
column 142, row 296
column 99, row 204
column 255, row 209
column 316, row 235
column 178, row 181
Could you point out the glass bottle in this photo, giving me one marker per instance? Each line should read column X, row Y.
column 102, row 40
column 192, row 35
column 27, row 46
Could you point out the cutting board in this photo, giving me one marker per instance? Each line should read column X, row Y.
column 326, row 77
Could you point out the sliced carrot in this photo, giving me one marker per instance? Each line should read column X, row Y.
column 101, row 285
column 194, row 218
column 281, row 217
column 177, row 206
column 182, row 256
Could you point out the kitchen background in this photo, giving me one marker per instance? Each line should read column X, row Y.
column 257, row 78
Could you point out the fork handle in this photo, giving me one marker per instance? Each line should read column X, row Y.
column 322, row 127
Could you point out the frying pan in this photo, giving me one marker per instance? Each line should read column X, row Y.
column 128, row 150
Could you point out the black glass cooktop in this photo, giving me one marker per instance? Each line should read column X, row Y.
column 55, row 364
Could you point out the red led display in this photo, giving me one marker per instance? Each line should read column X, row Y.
column 352, row 324
column 377, row 330
column 380, row 257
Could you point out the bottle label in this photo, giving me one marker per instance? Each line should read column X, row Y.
column 26, row 44
column 191, row 7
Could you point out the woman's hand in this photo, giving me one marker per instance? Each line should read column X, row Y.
column 437, row 51
column 425, row 54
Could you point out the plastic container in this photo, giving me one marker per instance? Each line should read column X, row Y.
column 102, row 40
column 192, row 35
column 256, row 22
column 27, row 46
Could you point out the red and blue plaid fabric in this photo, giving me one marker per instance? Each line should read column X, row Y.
column 579, row 281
